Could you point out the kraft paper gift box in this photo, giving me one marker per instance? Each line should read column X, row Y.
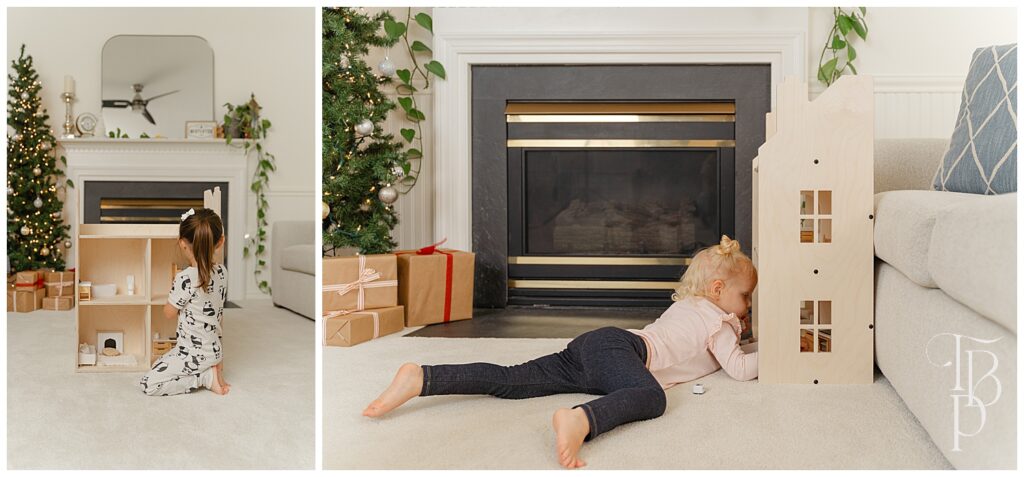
column 435, row 285
column 59, row 303
column 59, row 284
column 28, row 280
column 25, row 300
column 360, row 282
column 352, row 328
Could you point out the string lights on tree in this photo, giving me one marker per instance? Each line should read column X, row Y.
column 36, row 233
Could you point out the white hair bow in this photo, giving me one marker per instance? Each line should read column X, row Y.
column 186, row 214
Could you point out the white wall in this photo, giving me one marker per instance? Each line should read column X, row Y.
column 268, row 51
column 919, row 58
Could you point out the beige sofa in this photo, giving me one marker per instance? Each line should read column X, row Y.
column 293, row 258
column 946, row 273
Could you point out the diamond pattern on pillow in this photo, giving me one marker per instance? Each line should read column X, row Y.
column 982, row 155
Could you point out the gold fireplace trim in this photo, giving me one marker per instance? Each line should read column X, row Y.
column 620, row 108
column 623, row 143
column 620, row 112
column 134, row 204
column 168, row 220
column 599, row 261
column 593, row 284
column 620, row 118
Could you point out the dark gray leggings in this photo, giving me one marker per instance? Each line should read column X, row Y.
column 608, row 361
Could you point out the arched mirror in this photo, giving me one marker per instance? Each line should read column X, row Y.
column 153, row 84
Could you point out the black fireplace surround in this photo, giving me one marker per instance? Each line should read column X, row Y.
column 660, row 203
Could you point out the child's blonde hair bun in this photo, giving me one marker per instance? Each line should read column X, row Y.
column 727, row 246
column 716, row 262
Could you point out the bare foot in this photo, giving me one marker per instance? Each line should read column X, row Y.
column 216, row 386
column 407, row 384
column 571, row 427
column 220, row 377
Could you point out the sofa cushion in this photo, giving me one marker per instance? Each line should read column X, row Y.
column 904, row 221
column 973, row 256
column 982, row 155
column 299, row 258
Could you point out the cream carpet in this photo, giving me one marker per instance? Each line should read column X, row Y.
column 735, row 425
column 59, row 419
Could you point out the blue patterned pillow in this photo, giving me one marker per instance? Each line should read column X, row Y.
column 982, row 155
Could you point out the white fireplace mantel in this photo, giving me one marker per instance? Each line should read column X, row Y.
column 163, row 160
column 461, row 42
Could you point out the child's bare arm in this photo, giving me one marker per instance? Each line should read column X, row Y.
column 170, row 311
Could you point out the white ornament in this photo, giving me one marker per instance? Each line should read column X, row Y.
column 387, row 68
column 325, row 210
column 24, row 95
column 364, row 127
column 45, row 146
column 364, row 207
column 25, row 230
column 398, row 171
column 67, row 244
column 36, row 171
column 44, row 252
column 388, row 195
column 344, row 61
column 38, row 202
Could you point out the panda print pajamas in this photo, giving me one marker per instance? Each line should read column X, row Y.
column 187, row 366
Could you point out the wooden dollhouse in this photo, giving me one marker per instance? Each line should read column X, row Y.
column 140, row 257
column 813, row 193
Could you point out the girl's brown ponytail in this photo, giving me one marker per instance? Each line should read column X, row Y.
column 202, row 230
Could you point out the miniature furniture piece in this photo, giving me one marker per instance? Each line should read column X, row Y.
column 108, row 253
column 293, row 256
column 812, row 236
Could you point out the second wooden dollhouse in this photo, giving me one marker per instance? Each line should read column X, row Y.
column 813, row 192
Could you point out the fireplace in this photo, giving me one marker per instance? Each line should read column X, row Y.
column 611, row 177
column 612, row 214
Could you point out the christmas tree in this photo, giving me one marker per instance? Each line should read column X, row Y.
column 36, row 234
column 361, row 163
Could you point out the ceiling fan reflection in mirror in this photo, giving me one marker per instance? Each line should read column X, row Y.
column 137, row 103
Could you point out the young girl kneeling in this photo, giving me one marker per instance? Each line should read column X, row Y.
column 196, row 300
column 696, row 336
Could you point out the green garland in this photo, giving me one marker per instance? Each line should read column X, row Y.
column 245, row 119
column 838, row 40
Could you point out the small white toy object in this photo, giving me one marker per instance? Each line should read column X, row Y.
column 131, row 284
column 698, row 388
column 86, row 355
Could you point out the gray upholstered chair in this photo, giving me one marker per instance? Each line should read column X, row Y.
column 293, row 258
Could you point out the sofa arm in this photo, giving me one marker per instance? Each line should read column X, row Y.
column 907, row 164
column 286, row 233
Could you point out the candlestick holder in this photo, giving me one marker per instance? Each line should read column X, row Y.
column 69, row 123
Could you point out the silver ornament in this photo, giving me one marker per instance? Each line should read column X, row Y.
column 387, row 68
column 325, row 210
column 344, row 61
column 38, row 202
column 58, row 214
column 36, row 171
column 10, row 191
column 364, row 207
column 398, row 171
column 45, row 251
column 364, row 127
column 39, row 113
column 45, row 146
column 67, row 244
column 388, row 195
column 24, row 95
column 25, row 230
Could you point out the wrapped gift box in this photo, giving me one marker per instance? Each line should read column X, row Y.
column 28, row 280
column 435, row 285
column 25, row 300
column 360, row 282
column 58, row 303
column 59, row 283
column 356, row 327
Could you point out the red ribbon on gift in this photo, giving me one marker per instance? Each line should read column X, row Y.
column 449, row 261
column 40, row 283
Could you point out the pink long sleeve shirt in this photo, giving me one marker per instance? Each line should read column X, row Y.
column 694, row 338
